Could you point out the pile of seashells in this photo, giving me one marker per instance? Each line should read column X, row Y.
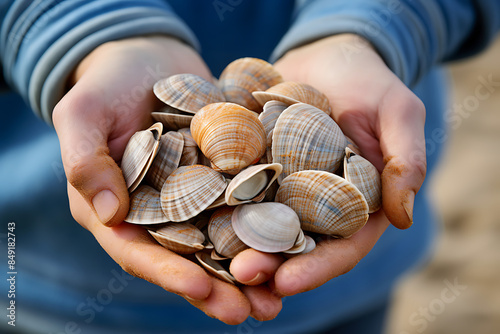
column 247, row 162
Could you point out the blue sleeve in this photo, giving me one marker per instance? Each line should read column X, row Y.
column 410, row 35
column 42, row 41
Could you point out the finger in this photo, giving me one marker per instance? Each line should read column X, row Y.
column 265, row 304
column 138, row 254
column 331, row 258
column 252, row 267
column 402, row 141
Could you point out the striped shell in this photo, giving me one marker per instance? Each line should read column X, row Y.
column 145, row 207
column 222, row 235
column 190, row 151
column 269, row 116
column 214, row 267
column 171, row 118
column 182, row 238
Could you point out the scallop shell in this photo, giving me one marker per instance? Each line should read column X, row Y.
column 291, row 92
column 244, row 76
column 189, row 190
column 145, row 207
column 182, row 238
column 222, row 235
column 305, row 138
column 214, row 267
column 365, row 177
column 167, row 159
column 139, row 154
column 267, row 227
column 324, row 202
column 231, row 136
column 187, row 92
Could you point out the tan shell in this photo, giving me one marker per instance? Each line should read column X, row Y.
column 190, row 151
column 325, row 203
column 189, row 190
column 139, row 154
column 305, row 138
column 214, row 267
column 187, row 92
column 244, row 76
column 172, row 119
column 291, row 92
column 299, row 246
column 365, row 177
column 250, row 184
column 269, row 116
column 352, row 145
column 267, row 227
column 145, row 207
column 167, row 160
column 182, row 238
column 231, row 136
column 222, row 235
column 310, row 244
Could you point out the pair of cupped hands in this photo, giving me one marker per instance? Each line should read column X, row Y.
column 110, row 98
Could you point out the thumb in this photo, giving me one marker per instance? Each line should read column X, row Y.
column 83, row 128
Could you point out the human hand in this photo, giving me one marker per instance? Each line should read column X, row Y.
column 110, row 99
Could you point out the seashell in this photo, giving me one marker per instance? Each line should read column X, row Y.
column 324, row 202
column 267, row 227
column 352, row 145
column 182, row 238
column 145, row 207
column 139, row 154
column 187, row 92
column 291, row 92
column 305, row 138
column 244, row 76
column 214, row 267
column 250, row 184
column 172, row 119
column 365, row 177
column 221, row 200
column 272, row 110
column 299, row 246
column 222, row 235
column 310, row 244
column 190, row 151
column 231, row 136
column 167, row 160
column 189, row 190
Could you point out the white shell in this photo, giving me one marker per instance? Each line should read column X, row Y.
column 182, row 238
column 145, row 207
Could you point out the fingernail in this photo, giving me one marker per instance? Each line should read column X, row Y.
column 408, row 205
column 105, row 204
column 257, row 278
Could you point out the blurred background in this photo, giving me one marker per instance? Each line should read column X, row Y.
column 458, row 291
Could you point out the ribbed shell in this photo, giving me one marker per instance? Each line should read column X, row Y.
column 299, row 246
column 291, row 92
column 231, row 136
column 187, row 92
column 365, row 177
column 269, row 116
column 190, row 151
column 222, row 235
column 172, row 121
column 139, row 154
column 189, row 190
column 267, row 227
column 325, row 202
column 145, row 207
column 244, row 76
column 305, row 138
column 352, row 145
column 214, row 267
column 182, row 238
column 167, row 160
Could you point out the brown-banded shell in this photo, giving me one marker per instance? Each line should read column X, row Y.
column 291, row 92
column 365, row 177
column 250, row 184
column 190, row 151
column 222, row 235
column 189, row 190
column 267, row 227
column 305, row 138
column 231, row 136
column 214, row 267
column 269, row 116
column 187, row 92
column 172, row 119
column 182, row 238
column 325, row 202
column 139, row 154
column 145, row 207
column 352, row 145
column 167, row 159
column 244, row 76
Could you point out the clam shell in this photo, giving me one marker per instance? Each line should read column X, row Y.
column 250, row 184
column 269, row 116
column 305, row 138
column 291, row 92
column 139, row 154
column 324, row 202
column 267, row 227
column 172, row 119
column 352, row 145
column 244, row 76
column 190, row 151
column 310, row 244
column 214, row 267
column 145, row 207
column 299, row 246
column 182, row 238
column 189, row 190
column 167, row 159
column 365, row 177
column 231, row 136
column 222, row 235
column 187, row 92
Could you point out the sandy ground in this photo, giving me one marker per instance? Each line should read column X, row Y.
column 459, row 290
